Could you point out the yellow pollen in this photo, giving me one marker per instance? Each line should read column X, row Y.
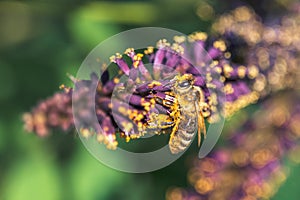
column 85, row 132
column 222, row 78
column 129, row 50
column 152, row 101
column 227, row 55
column 116, row 80
column 127, row 126
column 62, row 86
column 118, row 55
column 198, row 36
column 241, row 71
column 153, row 84
column 220, row 45
column 227, row 70
column 218, row 70
column 149, row 50
column 204, row 185
column 139, row 117
column 163, row 43
column 112, row 59
column 179, row 39
column 122, row 110
column 105, row 128
column 253, row 72
column 228, row 89
column 140, row 124
column 242, row 14
column 210, row 85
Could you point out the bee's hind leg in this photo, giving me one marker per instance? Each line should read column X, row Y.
column 201, row 127
column 159, row 121
column 200, row 115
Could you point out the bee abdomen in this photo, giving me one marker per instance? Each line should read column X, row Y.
column 181, row 141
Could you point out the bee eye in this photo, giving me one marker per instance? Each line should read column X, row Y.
column 184, row 84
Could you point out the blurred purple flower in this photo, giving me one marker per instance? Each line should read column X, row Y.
column 251, row 165
column 51, row 113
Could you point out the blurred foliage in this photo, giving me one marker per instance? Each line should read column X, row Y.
column 40, row 42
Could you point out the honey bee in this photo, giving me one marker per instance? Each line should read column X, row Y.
column 188, row 110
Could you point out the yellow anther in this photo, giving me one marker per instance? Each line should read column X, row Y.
column 220, row 44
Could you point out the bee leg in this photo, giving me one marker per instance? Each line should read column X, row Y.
column 201, row 123
column 199, row 106
column 201, row 128
column 165, row 100
column 174, row 129
column 175, row 114
column 159, row 121
column 201, row 93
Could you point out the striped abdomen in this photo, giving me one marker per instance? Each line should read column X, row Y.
column 185, row 132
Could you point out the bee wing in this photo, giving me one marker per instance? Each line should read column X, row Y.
column 169, row 81
column 201, row 128
column 200, row 118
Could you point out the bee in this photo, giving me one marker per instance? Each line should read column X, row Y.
column 188, row 110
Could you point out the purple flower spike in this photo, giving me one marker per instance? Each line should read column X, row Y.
column 108, row 87
column 137, row 63
column 54, row 112
column 104, row 103
column 121, row 63
column 214, row 53
column 266, row 63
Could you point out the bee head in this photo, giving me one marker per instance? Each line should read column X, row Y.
column 185, row 81
column 184, row 84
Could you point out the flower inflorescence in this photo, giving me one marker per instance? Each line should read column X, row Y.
column 229, row 84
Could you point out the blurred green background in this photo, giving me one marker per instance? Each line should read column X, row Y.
column 40, row 42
